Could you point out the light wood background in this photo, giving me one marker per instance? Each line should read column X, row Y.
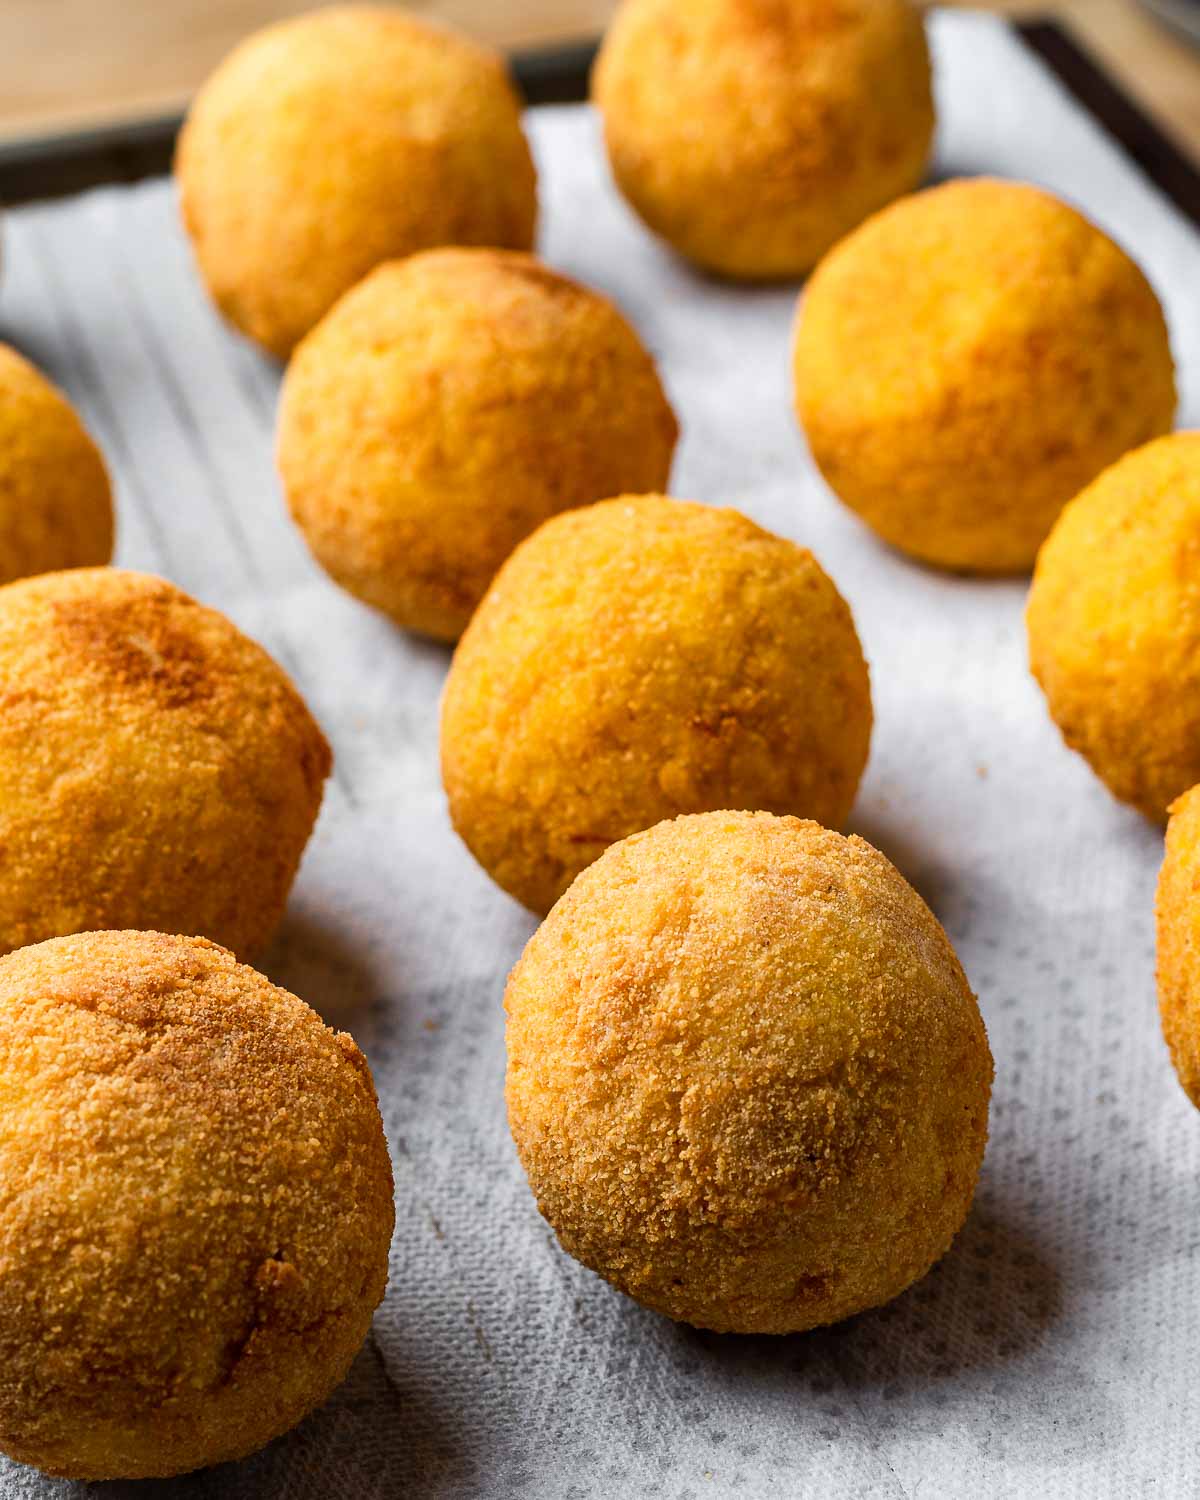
column 65, row 64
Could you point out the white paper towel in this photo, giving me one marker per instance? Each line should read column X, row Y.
column 1056, row 1349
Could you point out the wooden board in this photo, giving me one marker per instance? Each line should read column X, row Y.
column 70, row 64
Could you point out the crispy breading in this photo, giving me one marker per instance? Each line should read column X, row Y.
column 1114, row 624
column 157, row 768
column 753, row 134
column 195, row 1206
column 641, row 658
column 746, row 1075
column 56, row 507
column 444, row 409
column 1177, row 913
column 333, row 141
column 968, row 360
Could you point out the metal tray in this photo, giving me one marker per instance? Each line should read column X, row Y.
column 55, row 165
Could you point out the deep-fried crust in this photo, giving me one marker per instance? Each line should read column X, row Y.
column 1177, row 912
column 968, row 360
column 55, row 499
column 641, row 658
column 448, row 406
column 783, row 125
column 157, row 769
column 1114, row 624
column 330, row 142
column 747, row 1078
column 195, row 1206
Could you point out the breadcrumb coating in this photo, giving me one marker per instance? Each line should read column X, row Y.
column 641, row 658
column 330, row 142
column 1114, row 624
column 1177, row 911
column 785, row 122
column 195, row 1206
column 968, row 360
column 444, row 409
column 56, row 506
column 746, row 1075
column 157, row 769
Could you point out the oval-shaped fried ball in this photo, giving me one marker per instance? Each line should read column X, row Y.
column 746, row 1075
column 197, row 1206
column 638, row 659
column 157, row 768
column 968, row 360
column 1114, row 624
column 444, row 409
column 333, row 141
column 56, row 507
column 1177, row 912
column 753, row 134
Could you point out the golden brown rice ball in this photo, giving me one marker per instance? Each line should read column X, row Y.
column 1114, row 624
column 638, row 659
column 753, row 134
column 969, row 360
column 444, row 409
column 56, row 506
column 1178, row 920
column 746, row 1075
column 328, row 143
column 197, row 1210
column 157, row 768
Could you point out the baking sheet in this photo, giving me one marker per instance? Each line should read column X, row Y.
column 1055, row 1349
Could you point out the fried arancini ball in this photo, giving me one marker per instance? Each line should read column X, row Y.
column 56, row 506
column 968, row 360
column 1114, row 624
column 328, row 143
column 196, row 1206
column 444, row 409
column 157, row 768
column 753, row 134
column 746, row 1075
column 1177, row 911
column 641, row 658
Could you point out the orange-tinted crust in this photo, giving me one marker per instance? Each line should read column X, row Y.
column 784, row 123
column 195, row 1206
column 1177, row 912
column 1114, row 624
column 56, row 507
column 333, row 141
column 444, row 409
column 157, row 768
column 746, row 1076
column 641, row 658
column 968, row 360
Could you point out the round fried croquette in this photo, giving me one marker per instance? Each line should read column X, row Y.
column 641, row 658
column 784, row 124
column 196, row 1206
column 444, row 409
column 746, row 1075
column 333, row 141
column 157, row 769
column 968, row 360
column 56, row 507
column 1114, row 624
column 1177, row 913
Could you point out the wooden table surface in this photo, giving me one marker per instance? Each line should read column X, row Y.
column 67, row 64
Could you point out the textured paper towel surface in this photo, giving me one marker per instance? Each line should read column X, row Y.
column 1056, row 1350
